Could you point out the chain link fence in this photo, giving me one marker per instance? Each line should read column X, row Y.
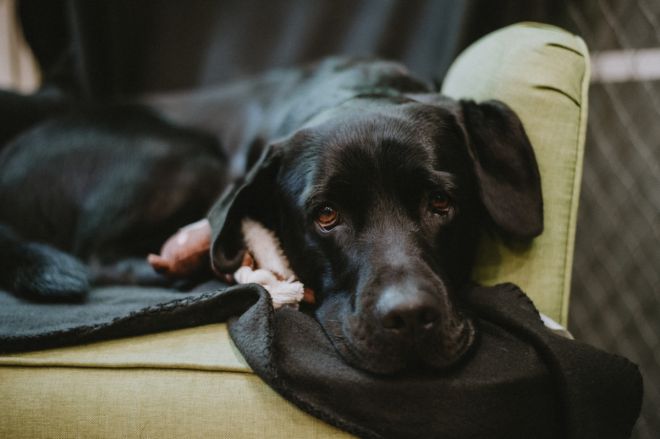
column 615, row 302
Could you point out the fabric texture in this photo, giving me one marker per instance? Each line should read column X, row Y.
column 149, row 402
column 542, row 72
column 112, row 313
column 528, row 381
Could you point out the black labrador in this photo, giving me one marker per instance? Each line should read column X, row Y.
column 376, row 186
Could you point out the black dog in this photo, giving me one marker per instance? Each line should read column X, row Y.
column 376, row 186
column 102, row 185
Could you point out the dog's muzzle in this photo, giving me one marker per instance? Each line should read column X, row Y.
column 431, row 329
column 398, row 329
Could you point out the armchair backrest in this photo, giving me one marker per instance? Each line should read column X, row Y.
column 542, row 72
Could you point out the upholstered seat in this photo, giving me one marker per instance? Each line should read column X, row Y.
column 193, row 382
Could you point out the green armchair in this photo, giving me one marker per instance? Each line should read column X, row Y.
column 193, row 382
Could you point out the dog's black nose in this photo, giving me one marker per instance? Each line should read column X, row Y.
column 407, row 311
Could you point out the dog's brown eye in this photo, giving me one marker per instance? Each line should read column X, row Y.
column 327, row 217
column 440, row 203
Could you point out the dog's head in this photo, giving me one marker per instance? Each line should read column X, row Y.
column 378, row 204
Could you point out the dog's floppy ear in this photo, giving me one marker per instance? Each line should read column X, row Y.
column 253, row 197
column 505, row 167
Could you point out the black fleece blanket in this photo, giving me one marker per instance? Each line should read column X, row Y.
column 521, row 381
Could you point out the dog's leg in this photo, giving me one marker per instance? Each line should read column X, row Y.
column 131, row 271
column 40, row 272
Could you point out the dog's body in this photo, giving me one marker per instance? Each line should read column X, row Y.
column 376, row 186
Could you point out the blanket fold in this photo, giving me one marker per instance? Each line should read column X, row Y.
column 115, row 312
column 521, row 380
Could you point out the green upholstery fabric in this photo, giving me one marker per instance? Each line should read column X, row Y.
column 193, row 383
column 541, row 72
column 189, row 383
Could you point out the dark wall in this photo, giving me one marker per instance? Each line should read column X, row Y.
column 125, row 46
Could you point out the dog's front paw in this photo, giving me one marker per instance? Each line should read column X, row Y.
column 185, row 253
column 46, row 274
